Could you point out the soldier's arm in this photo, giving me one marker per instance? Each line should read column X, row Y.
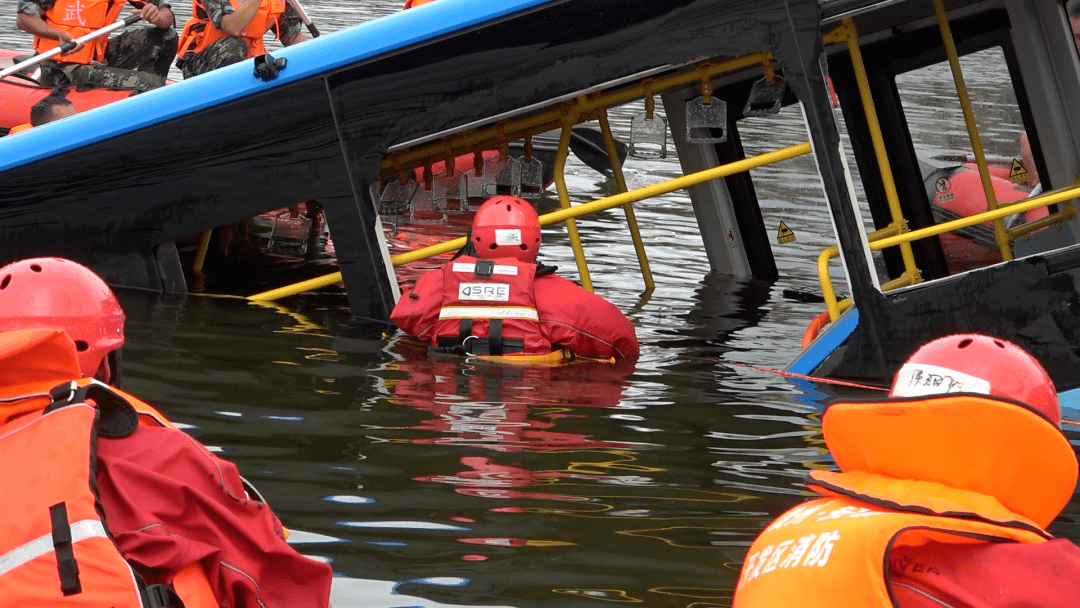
column 288, row 27
column 30, row 21
column 234, row 22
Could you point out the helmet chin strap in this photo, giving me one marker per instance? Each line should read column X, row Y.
column 109, row 370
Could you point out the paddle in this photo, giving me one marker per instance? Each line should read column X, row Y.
column 588, row 145
column 303, row 17
column 67, row 46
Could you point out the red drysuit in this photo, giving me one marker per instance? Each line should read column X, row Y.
column 170, row 502
column 998, row 575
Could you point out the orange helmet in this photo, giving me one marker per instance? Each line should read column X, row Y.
column 53, row 292
column 506, row 227
column 974, row 363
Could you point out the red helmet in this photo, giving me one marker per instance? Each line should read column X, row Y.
column 973, row 363
column 506, row 227
column 53, row 292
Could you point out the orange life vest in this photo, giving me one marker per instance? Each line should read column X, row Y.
column 54, row 547
column 79, row 18
column 412, row 3
column 952, row 468
column 834, row 551
column 199, row 33
column 20, row 128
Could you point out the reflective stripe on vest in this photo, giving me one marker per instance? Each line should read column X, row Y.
column 78, row 18
column 488, row 312
column 833, row 552
column 470, row 267
column 43, row 545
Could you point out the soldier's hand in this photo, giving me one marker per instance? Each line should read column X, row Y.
column 66, row 38
column 158, row 17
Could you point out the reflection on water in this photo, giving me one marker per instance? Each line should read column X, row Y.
column 441, row 482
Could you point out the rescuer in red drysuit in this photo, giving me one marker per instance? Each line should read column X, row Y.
column 185, row 523
column 943, row 497
column 492, row 299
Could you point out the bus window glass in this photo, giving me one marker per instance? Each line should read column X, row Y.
column 939, row 133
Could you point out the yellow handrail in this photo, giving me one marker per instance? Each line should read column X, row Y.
column 631, row 218
column 849, row 35
column 881, row 239
column 564, row 200
column 1044, row 200
column 200, row 252
column 678, row 183
column 1000, row 235
column 829, row 253
column 552, row 118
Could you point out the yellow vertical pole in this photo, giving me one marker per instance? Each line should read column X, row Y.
column 200, row 253
column 620, row 183
column 1000, row 234
column 850, row 36
column 564, row 201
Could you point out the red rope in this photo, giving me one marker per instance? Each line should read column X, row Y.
column 815, row 378
column 790, row 374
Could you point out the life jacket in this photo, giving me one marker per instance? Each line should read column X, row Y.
column 79, row 18
column 199, row 33
column 489, row 308
column 414, row 3
column 952, row 468
column 20, row 128
column 55, row 548
column 834, row 552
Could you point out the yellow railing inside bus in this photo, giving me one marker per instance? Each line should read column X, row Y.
column 565, row 116
column 847, row 34
column 888, row 237
column 621, row 199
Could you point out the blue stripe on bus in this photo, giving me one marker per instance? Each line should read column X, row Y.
column 315, row 57
column 826, row 343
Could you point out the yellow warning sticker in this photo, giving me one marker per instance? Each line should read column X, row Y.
column 1018, row 173
column 785, row 235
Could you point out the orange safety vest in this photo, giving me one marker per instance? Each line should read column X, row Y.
column 54, row 547
column 834, row 551
column 952, row 468
column 20, row 128
column 412, row 3
column 200, row 33
column 79, row 18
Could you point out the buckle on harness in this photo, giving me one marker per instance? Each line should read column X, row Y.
column 484, row 269
column 161, row 596
column 450, row 346
column 64, row 393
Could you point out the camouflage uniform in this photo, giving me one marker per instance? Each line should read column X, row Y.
column 137, row 59
column 230, row 50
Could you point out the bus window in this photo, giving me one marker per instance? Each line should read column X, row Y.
column 939, row 134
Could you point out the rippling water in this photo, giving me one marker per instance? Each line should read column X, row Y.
column 442, row 483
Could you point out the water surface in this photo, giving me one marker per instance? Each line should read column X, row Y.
column 445, row 483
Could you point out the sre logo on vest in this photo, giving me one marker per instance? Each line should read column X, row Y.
column 498, row 292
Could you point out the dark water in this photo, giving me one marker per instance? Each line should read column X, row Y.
column 442, row 483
